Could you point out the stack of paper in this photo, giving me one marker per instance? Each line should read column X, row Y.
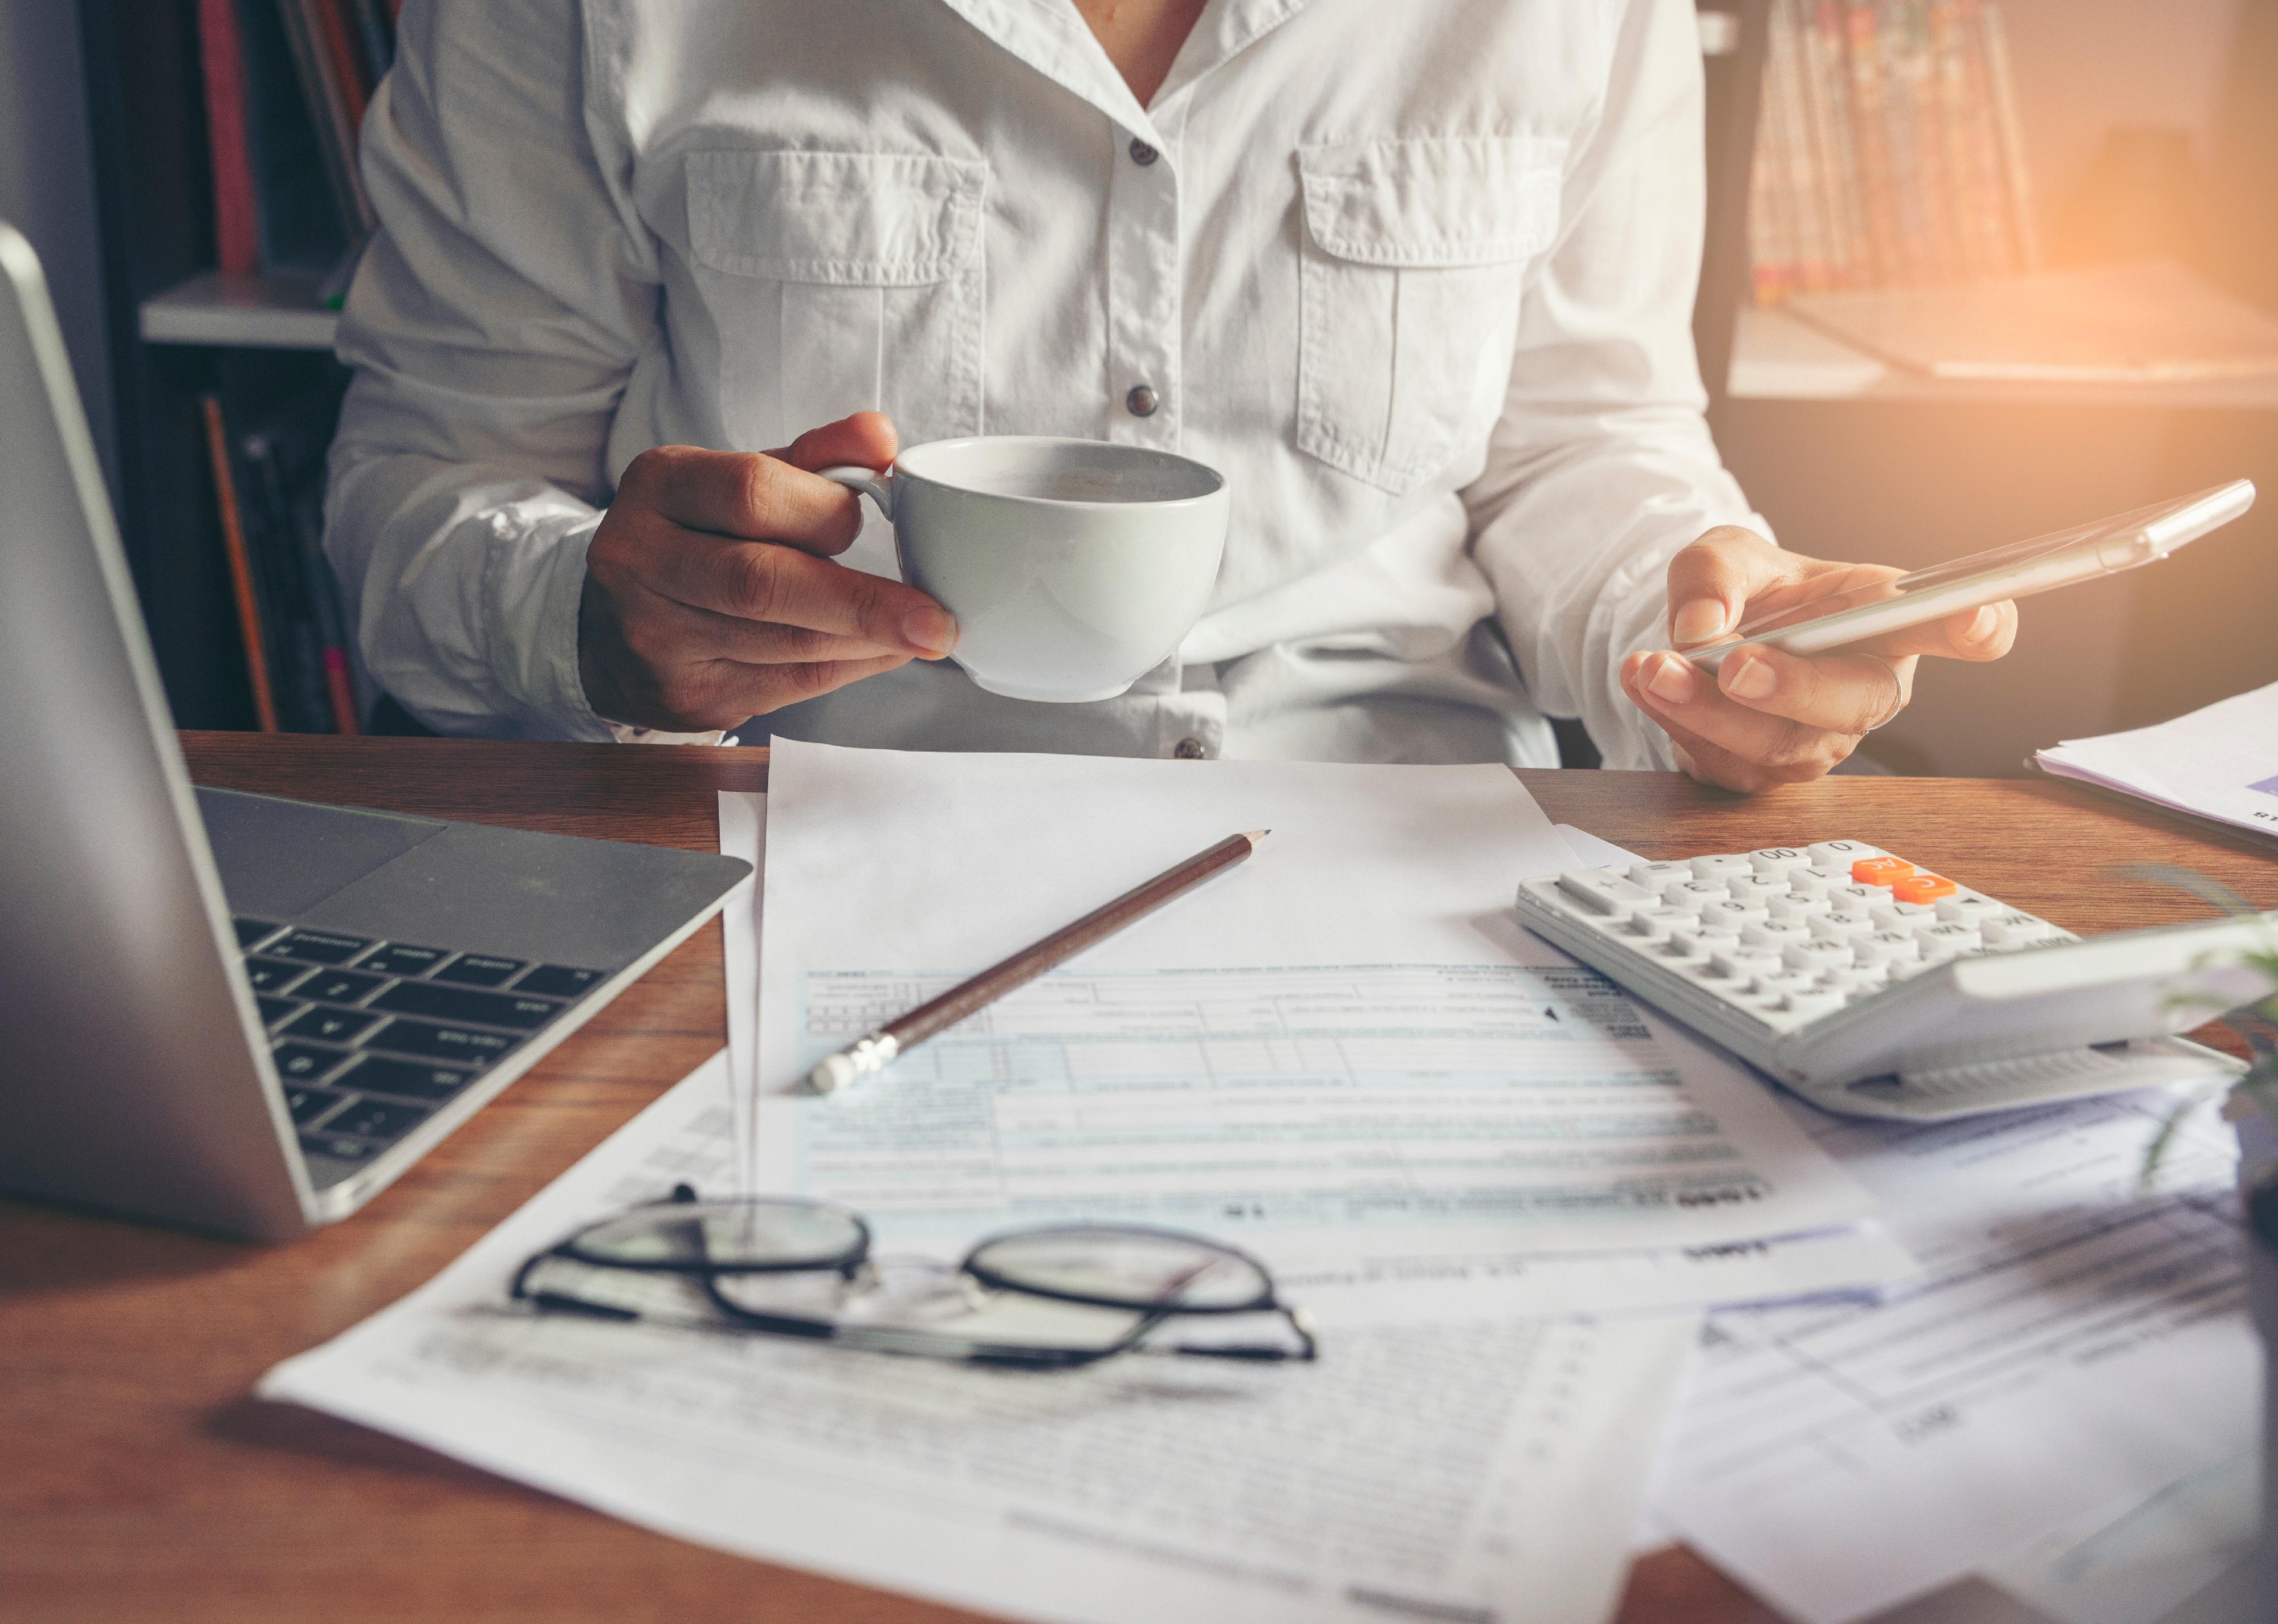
column 2220, row 763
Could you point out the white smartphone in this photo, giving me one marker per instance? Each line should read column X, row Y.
column 2104, row 548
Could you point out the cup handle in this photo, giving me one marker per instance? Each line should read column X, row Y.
column 870, row 482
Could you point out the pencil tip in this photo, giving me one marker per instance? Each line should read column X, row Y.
column 1254, row 836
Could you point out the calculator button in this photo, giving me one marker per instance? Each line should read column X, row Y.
column 1921, row 888
column 1744, row 962
column 1817, row 958
column 1604, row 891
column 1793, row 909
column 1810, row 882
column 1776, row 861
column 1718, row 870
column 2015, row 930
column 1755, row 889
column 1773, row 936
column 1693, row 895
column 1960, row 938
column 1887, row 947
column 1731, row 914
column 1649, row 924
column 1901, row 916
column 1653, row 876
column 1835, row 857
column 1710, row 940
column 1880, row 871
column 1968, row 908
column 1811, row 1003
column 1844, row 928
column 1856, row 898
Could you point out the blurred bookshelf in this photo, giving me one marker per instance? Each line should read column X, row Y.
column 243, row 310
column 230, row 212
column 2097, row 151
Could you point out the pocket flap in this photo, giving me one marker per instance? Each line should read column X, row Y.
column 1441, row 200
column 870, row 219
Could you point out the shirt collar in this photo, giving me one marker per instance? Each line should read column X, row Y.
column 1051, row 37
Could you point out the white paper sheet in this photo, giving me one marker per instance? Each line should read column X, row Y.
column 2074, row 1344
column 1426, row 1285
column 1343, row 1050
column 2135, row 1562
column 1483, row 1473
column 2220, row 762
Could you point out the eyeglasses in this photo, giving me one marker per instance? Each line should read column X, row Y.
column 1050, row 1298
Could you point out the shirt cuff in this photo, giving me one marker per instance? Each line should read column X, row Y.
column 534, row 586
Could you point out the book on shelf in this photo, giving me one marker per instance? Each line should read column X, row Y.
column 269, row 481
column 1888, row 154
column 287, row 85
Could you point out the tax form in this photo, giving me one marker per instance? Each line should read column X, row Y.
column 2074, row 1345
column 1342, row 1052
column 1479, row 1474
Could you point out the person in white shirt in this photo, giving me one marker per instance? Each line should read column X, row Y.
column 1417, row 278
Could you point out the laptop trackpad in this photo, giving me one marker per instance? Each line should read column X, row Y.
column 280, row 859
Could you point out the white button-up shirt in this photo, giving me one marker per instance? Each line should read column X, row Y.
column 1417, row 277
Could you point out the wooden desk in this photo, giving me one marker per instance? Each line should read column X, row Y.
column 142, row 1483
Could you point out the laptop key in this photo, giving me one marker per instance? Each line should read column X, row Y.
column 402, row 958
column 252, row 930
column 460, row 1003
column 273, row 975
column 275, row 1010
column 321, row 946
column 338, row 985
column 305, row 1063
column 559, row 981
column 338, row 1147
column 329, row 1025
column 377, row 1119
column 461, row 1043
column 480, row 970
column 408, row 1079
column 311, row 1106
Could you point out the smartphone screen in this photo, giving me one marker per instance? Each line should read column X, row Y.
column 1873, row 608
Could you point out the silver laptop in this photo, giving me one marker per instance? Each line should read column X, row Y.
column 227, row 1012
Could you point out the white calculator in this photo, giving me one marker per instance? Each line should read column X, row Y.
column 1877, row 988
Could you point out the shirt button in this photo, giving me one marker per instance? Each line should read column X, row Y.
column 1141, row 401
column 1142, row 154
column 1188, row 749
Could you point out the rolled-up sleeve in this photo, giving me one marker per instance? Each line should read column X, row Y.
column 1602, row 465
column 491, row 328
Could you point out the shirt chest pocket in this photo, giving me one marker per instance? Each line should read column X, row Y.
column 841, row 282
column 1413, row 256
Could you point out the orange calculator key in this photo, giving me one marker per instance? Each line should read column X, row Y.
column 1923, row 889
column 1880, row 871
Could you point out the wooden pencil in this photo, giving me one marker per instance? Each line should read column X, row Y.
column 240, row 565
column 898, row 1036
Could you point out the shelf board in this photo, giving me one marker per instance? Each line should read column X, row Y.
column 281, row 311
column 1777, row 357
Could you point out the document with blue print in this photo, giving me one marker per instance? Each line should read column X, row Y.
column 1485, row 1473
column 1345, row 1052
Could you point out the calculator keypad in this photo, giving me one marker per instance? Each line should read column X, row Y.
column 1789, row 934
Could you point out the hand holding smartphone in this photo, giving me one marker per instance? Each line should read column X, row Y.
column 2105, row 548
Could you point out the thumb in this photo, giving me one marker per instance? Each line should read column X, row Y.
column 1711, row 581
column 866, row 439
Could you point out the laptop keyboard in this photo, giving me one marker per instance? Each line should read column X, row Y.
column 369, row 1037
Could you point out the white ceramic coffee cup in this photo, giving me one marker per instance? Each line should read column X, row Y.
column 1073, row 567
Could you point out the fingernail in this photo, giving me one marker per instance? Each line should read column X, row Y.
column 1982, row 625
column 1752, row 680
column 1671, row 680
column 930, row 628
column 1698, row 621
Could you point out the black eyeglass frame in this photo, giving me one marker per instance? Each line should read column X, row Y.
column 849, row 1263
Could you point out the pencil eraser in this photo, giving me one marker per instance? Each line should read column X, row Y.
column 832, row 1073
